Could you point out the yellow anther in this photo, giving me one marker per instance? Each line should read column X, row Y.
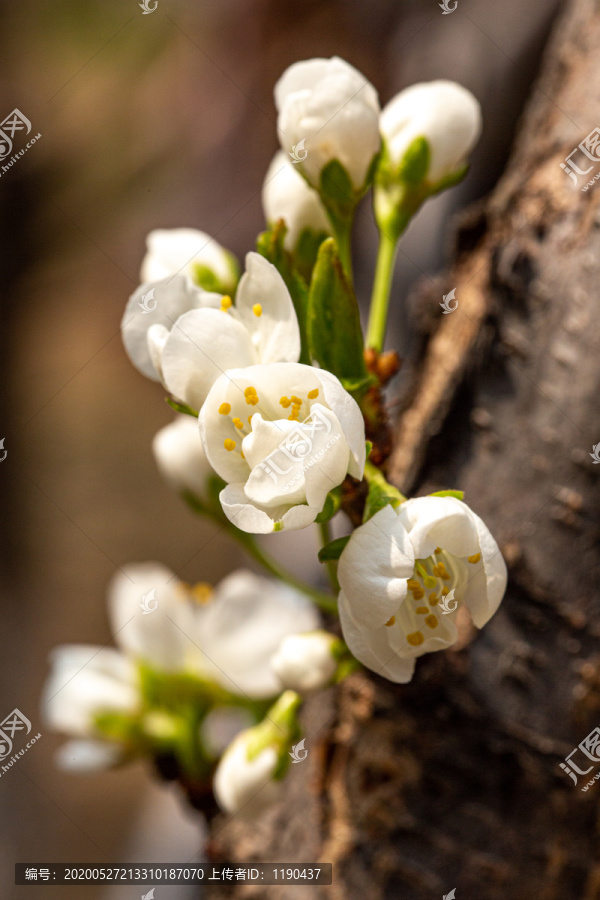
column 433, row 599
column 390, row 621
column 225, row 409
column 438, row 550
column 237, row 422
column 422, row 610
column 250, row 418
column 293, row 416
column 313, row 394
column 437, row 569
column 431, row 621
column 250, row 392
column 445, row 576
column 257, row 310
column 252, row 400
column 242, row 454
column 229, row 444
column 201, row 592
column 445, row 591
column 296, row 400
column 226, row 303
column 413, row 584
column 285, row 402
column 419, row 594
column 415, row 638
column 474, row 559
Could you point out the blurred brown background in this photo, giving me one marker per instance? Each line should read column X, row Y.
column 151, row 121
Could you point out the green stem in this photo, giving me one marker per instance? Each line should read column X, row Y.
column 331, row 563
column 324, row 601
column 342, row 232
column 380, row 299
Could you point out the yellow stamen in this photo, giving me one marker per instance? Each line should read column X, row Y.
column 250, row 392
column 438, row 550
column 237, row 422
column 412, row 584
column 418, row 595
column 285, row 402
column 250, row 418
column 390, row 621
column 251, row 399
column 229, row 444
column 433, row 599
column 421, row 610
column 474, row 559
column 226, row 303
column 257, row 310
column 431, row 621
column 445, row 591
column 313, row 394
column 415, row 638
column 242, row 454
column 201, row 592
column 296, row 400
column 225, row 409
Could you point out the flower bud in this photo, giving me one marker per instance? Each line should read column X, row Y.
column 180, row 456
column 447, row 115
column 187, row 251
column 287, row 196
column 244, row 781
column 305, row 662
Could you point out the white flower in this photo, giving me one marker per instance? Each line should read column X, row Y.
column 150, row 314
column 186, row 251
column 261, row 328
column 282, row 436
column 226, row 636
column 246, row 784
column 444, row 113
column 180, row 456
column 305, row 662
column 287, row 196
column 399, row 566
column 331, row 106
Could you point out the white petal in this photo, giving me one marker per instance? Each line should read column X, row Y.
column 176, row 250
column 350, row 417
column 246, row 786
column 157, row 636
column 88, row 756
column 305, row 662
column 275, row 332
column 245, row 624
column 287, row 196
column 257, row 520
column 201, row 346
column 487, row 582
column 371, row 647
column 440, row 522
column 374, row 566
column 173, row 297
column 180, row 457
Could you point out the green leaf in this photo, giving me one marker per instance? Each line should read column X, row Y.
column 460, row 495
column 333, row 550
column 270, row 245
column 333, row 329
column 414, row 165
column 182, row 407
column 333, row 501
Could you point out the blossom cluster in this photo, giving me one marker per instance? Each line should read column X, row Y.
column 279, row 409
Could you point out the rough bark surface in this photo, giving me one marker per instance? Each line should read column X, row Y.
column 454, row 779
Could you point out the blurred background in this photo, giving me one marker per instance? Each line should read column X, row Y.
column 150, row 121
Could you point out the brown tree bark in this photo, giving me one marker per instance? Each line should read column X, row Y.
column 454, row 779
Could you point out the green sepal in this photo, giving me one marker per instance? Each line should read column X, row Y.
column 333, row 328
column 182, row 407
column 358, row 387
column 270, row 245
column 333, row 501
column 333, row 550
column 306, row 251
column 449, row 181
column 337, row 191
column 381, row 492
column 460, row 495
column 368, row 448
column 118, row 727
column 414, row 165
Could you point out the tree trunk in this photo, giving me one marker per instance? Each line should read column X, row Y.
column 453, row 781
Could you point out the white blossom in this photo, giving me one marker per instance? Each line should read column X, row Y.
column 246, row 784
column 282, row 436
column 397, row 571
column 444, row 113
column 287, row 196
column 180, row 456
column 304, row 662
column 333, row 108
column 176, row 251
